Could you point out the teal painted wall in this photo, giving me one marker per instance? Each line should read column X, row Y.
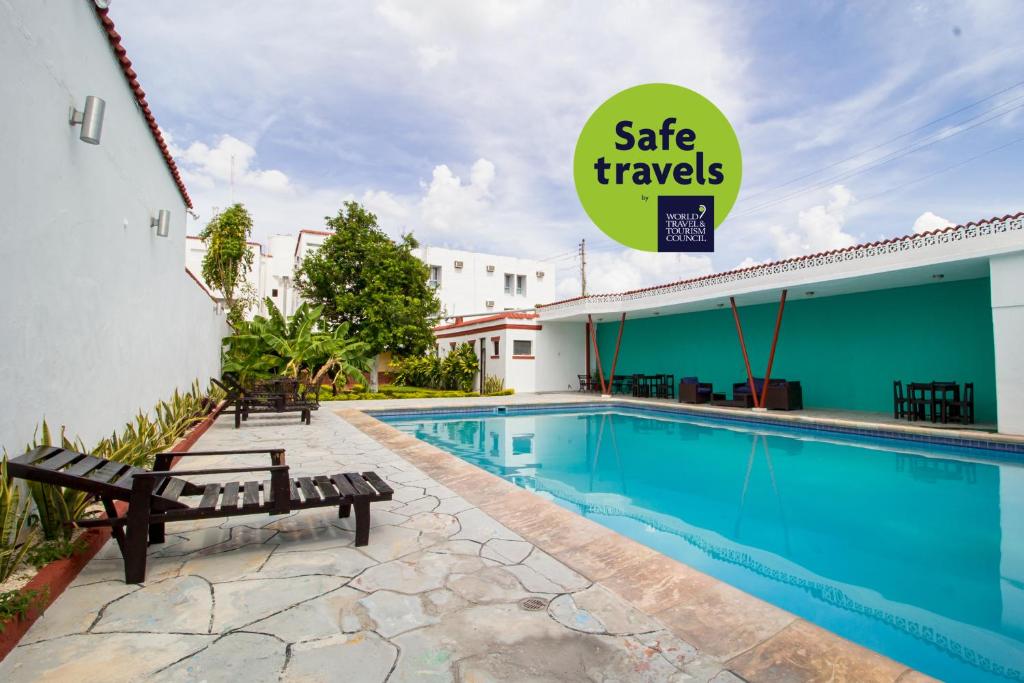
column 844, row 350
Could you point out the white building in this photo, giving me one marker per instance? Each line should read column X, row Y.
column 195, row 252
column 466, row 282
column 100, row 318
column 528, row 355
column 469, row 283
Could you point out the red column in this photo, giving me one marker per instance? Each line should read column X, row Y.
column 597, row 353
column 618, row 345
column 743, row 347
column 588, row 331
column 775, row 341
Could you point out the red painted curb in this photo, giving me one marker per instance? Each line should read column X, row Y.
column 52, row 579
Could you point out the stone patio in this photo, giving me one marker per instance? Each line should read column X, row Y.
column 435, row 596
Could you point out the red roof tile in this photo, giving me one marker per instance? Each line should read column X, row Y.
column 507, row 315
column 140, row 97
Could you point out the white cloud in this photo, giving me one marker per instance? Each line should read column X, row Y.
column 624, row 269
column 452, row 206
column 819, row 228
column 930, row 221
column 230, row 160
column 432, row 56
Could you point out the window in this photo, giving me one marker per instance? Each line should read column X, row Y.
column 451, row 345
column 522, row 445
column 273, row 292
column 521, row 285
column 435, row 277
column 509, row 282
column 522, row 347
column 494, row 341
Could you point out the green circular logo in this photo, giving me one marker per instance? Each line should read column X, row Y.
column 658, row 167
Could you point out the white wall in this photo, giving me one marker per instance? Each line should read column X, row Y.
column 99, row 318
column 467, row 290
column 561, row 355
column 1007, row 277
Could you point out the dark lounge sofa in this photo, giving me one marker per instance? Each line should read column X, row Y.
column 781, row 395
column 692, row 390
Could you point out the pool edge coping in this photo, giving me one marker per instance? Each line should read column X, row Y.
column 752, row 638
column 1003, row 446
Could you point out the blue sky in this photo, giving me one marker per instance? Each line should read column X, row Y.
column 457, row 120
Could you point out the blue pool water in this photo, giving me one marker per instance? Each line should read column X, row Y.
column 911, row 549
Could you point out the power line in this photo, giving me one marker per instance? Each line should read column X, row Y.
column 863, row 168
column 944, row 170
column 890, row 140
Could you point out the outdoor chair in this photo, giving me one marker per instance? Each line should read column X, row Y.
column 276, row 398
column 784, row 395
column 692, row 390
column 962, row 409
column 156, row 496
column 900, row 402
column 664, row 386
column 586, row 383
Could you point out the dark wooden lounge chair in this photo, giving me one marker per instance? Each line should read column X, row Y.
column 282, row 398
column 157, row 497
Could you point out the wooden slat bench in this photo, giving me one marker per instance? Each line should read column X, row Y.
column 157, row 496
column 264, row 402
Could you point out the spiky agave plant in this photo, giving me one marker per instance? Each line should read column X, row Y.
column 13, row 520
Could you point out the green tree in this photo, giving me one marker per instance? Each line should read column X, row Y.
column 229, row 258
column 364, row 278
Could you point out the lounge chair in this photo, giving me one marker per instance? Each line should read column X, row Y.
column 692, row 390
column 155, row 496
column 247, row 402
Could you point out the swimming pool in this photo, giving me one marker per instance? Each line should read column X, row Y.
column 914, row 550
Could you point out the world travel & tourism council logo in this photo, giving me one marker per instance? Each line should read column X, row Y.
column 686, row 223
column 658, row 167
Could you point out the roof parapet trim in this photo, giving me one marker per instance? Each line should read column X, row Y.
column 867, row 249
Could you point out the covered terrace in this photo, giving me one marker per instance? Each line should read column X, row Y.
column 946, row 305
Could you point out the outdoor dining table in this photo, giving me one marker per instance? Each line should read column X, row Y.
column 931, row 398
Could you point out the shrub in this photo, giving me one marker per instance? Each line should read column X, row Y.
column 455, row 371
column 493, row 385
column 15, row 604
column 59, row 549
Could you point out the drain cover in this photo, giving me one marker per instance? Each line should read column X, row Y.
column 533, row 604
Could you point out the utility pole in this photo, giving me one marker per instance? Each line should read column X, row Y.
column 583, row 267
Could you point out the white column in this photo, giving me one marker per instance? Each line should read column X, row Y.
column 1007, row 274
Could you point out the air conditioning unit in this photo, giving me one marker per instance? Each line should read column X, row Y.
column 540, row 274
column 458, row 265
column 490, row 269
column 490, row 304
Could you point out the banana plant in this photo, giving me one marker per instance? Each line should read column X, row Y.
column 298, row 346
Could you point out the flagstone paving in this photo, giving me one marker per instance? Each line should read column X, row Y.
column 433, row 597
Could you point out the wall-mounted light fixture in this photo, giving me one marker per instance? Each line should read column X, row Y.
column 90, row 119
column 938, row 276
column 809, row 293
column 162, row 223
